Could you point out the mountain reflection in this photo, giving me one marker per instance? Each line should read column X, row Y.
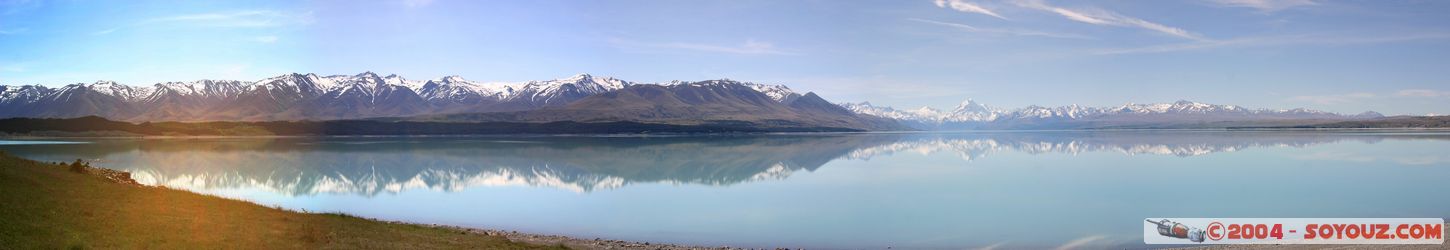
column 371, row 166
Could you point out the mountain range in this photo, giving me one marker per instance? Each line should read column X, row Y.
column 294, row 97
column 589, row 99
column 1181, row 114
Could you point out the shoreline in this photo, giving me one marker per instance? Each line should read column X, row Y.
column 576, row 242
column 122, row 180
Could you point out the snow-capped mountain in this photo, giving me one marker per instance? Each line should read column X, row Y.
column 968, row 111
column 716, row 103
column 298, row 96
column 537, row 94
column 23, row 94
column 779, row 93
column 1181, row 114
column 456, row 90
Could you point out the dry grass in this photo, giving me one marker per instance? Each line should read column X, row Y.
column 47, row 206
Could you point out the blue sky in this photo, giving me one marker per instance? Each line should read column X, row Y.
column 1342, row 56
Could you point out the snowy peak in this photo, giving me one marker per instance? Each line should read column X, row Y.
column 453, row 79
column 370, row 85
column 779, row 93
column 456, row 89
column 125, row 92
column 1369, row 115
column 916, row 116
column 583, row 82
column 1185, row 106
column 581, row 77
column 300, row 85
column 559, row 91
column 926, row 109
column 202, row 89
column 599, row 83
column 971, row 106
column 23, row 93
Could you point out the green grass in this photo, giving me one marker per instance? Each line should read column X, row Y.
column 46, row 206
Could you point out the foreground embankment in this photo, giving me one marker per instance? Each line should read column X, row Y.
column 53, row 205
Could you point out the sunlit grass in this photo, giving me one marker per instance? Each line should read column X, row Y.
column 49, row 206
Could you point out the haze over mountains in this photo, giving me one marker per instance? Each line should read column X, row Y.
column 586, row 98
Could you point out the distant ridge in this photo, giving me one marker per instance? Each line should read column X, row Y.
column 1386, row 122
column 1180, row 114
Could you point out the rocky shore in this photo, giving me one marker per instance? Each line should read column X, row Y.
column 116, row 176
column 579, row 243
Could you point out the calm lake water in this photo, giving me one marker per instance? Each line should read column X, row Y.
column 917, row 190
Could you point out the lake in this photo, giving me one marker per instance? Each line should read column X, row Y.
column 871, row 190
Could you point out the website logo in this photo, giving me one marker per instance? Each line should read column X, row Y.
column 1294, row 231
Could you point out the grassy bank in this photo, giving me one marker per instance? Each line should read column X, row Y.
column 45, row 205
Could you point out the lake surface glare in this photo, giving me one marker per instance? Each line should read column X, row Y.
column 900, row 190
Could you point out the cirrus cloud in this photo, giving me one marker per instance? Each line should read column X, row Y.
column 1265, row 5
column 1422, row 93
column 1103, row 17
column 1014, row 32
column 968, row 7
column 229, row 19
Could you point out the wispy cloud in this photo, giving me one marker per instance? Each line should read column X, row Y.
column 244, row 19
column 1333, row 99
column 11, row 7
column 749, row 47
column 1013, row 32
column 968, row 7
column 232, row 19
column 1080, row 242
column 105, row 31
column 265, row 39
column 1265, row 5
column 993, row 246
column 1422, row 93
column 1103, row 17
column 1276, row 41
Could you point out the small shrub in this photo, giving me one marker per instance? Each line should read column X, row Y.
column 79, row 166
